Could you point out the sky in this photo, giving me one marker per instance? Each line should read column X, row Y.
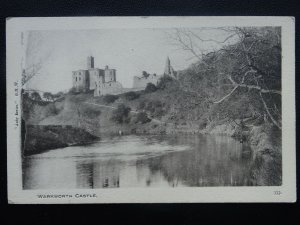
column 129, row 51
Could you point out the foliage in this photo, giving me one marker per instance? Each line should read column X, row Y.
column 145, row 74
column 58, row 94
column 36, row 96
column 73, row 91
column 150, row 88
column 131, row 95
column 141, row 105
column 91, row 113
column 242, row 77
column 155, row 107
column 48, row 96
column 164, row 82
column 142, row 118
column 110, row 98
column 121, row 114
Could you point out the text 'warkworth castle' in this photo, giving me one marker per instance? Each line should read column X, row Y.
column 104, row 81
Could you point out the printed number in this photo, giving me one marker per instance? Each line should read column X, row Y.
column 277, row 193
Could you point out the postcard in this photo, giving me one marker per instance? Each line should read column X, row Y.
column 150, row 109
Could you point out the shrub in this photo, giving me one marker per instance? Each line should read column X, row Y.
column 110, row 98
column 141, row 105
column 36, row 96
column 145, row 74
column 53, row 110
column 150, row 88
column 163, row 82
column 71, row 91
column 48, row 96
column 121, row 114
column 142, row 118
column 91, row 113
column 131, row 95
column 155, row 107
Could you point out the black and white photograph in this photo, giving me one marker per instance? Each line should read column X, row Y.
column 160, row 108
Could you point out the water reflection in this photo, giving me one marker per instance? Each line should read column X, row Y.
column 142, row 161
column 98, row 174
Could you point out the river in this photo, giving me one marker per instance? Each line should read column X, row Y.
column 142, row 161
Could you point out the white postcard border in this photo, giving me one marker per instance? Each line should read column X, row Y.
column 149, row 195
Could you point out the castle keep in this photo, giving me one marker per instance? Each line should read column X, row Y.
column 102, row 81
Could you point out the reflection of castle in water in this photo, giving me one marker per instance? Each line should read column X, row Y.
column 97, row 174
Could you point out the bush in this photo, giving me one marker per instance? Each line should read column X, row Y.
column 58, row 95
column 91, row 113
column 131, row 95
column 48, row 96
column 155, row 108
column 53, row 110
column 150, row 88
column 145, row 74
column 110, row 98
column 141, row 105
column 71, row 91
column 163, row 82
column 121, row 114
column 142, row 118
column 36, row 96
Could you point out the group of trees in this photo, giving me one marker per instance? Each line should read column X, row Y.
column 142, row 117
column 48, row 96
column 131, row 95
column 150, row 88
column 246, row 63
column 121, row 114
column 110, row 98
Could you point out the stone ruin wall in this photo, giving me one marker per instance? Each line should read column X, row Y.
column 141, row 82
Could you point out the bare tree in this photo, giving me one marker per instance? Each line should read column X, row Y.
column 244, row 58
column 34, row 61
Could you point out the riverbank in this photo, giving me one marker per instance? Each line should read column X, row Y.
column 38, row 139
column 266, row 146
column 265, row 142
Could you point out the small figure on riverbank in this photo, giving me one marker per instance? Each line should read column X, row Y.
column 120, row 133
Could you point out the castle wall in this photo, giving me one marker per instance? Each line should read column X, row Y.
column 90, row 62
column 110, row 74
column 80, row 80
column 101, row 81
column 108, row 88
column 95, row 76
column 141, row 82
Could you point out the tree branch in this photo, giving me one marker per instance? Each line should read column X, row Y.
column 226, row 96
column 268, row 112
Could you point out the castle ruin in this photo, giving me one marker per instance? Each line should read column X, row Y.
column 141, row 82
column 102, row 81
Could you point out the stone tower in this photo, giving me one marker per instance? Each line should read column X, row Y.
column 90, row 62
column 168, row 69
